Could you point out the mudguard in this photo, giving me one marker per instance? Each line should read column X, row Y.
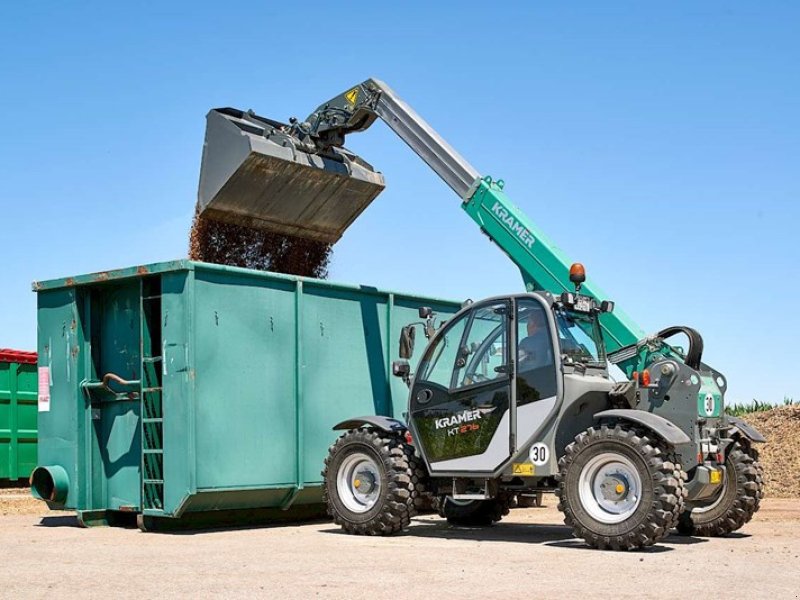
column 744, row 428
column 387, row 424
column 655, row 423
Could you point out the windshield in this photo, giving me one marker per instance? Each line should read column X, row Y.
column 580, row 337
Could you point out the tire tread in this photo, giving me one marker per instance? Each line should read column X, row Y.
column 667, row 476
column 403, row 482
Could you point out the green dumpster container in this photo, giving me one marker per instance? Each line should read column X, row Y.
column 182, row 387
column 17, row 414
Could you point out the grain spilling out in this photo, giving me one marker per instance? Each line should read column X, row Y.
column 240, row 246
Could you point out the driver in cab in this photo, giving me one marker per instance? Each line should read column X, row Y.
column 535, row 350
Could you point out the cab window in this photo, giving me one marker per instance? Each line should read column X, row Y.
column 580, row 337
column 482, row 356
column 437, row 364
column 536, row 365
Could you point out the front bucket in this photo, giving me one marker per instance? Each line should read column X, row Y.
column 255, row 175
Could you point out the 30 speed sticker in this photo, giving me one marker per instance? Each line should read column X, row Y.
column 539, row 454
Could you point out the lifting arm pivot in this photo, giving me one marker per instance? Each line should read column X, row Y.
column 358, row 108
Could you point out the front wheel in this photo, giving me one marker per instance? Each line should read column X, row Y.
column 737, row 501
column 369, row 487
column 619, row 489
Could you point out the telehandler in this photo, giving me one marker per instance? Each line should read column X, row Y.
column 512, row 395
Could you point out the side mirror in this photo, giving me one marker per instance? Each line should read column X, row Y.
column 425, row 312
column 400, row 368
column 407, row 335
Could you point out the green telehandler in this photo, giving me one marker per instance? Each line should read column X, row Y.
column 512, row 396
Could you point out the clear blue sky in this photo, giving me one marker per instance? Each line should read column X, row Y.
column 658, row 143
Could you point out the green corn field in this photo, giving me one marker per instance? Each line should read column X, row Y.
column 737, row 410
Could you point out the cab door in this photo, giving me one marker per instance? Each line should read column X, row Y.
column 461, row 403
column 536, row 383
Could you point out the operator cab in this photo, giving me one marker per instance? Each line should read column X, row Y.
column 494, row 373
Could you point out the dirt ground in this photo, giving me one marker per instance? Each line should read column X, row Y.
column 530, row 554
column 780, row 456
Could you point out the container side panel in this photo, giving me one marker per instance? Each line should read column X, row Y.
column 116, row 343
column 344, row 366
column 244, row 360
column 7, row 428
column 178, row 389
column 26, row 399
column 119, row 331
column 60, row 426
column 18, row 384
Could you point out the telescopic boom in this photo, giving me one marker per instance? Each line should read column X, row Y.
column 542, row 264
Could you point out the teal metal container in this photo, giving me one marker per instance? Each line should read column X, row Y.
column 17, row 414
column 185, row 387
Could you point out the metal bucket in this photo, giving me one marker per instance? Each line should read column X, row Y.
column 256, row 175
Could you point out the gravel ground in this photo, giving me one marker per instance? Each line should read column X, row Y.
column 18, row 501
column 530, row 554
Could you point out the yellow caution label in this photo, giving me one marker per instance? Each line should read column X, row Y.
column 352, row 95
column 524, row 469
column 716, row 476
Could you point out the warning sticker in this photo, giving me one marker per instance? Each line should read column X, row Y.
column 44, row 389
column 352, row 95
column 525, row 469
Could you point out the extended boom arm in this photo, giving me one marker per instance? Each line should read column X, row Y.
column 542, row 264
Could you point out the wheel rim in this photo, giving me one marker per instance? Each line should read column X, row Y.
column 610, row 488
column 358, row 482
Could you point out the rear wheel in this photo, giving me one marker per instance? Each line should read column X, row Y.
column 737, row 501
column 618, row 489
column 474, row 513
column 368, row 483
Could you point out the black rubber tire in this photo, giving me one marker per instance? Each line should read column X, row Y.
column 661, row 501
column 420, row 494
column 477, row 513
column 395, row 506
column 742, row 494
